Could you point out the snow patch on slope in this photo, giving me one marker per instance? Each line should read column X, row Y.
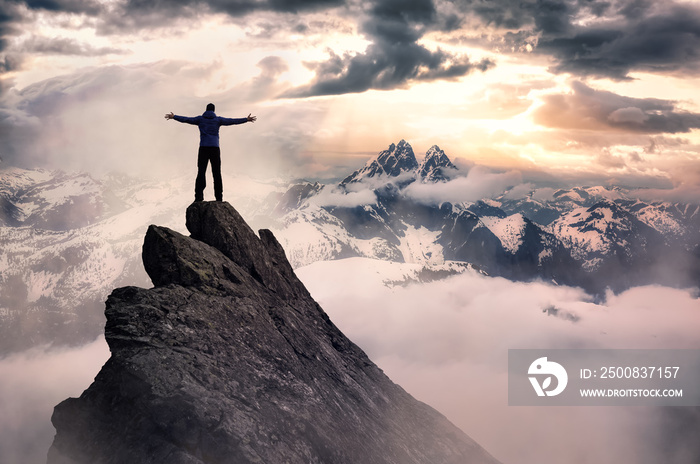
column 591, row 239
column 591, row 233
column 603, row 192
column 313, row 234
column 660, row 219
column 509, row 230
column 13, row 180
column 420, row 245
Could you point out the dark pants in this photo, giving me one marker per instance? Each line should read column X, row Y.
column 207, row 154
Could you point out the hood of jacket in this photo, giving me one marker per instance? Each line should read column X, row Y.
column 209, row 115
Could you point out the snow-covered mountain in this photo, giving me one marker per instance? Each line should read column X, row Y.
column 595, row 237
column 605, row 229
column 393, row 162
column 68, row 239
column 436, row 166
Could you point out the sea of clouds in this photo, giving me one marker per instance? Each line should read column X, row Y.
column 446, row 342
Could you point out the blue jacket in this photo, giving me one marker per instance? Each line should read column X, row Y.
column 209, row 124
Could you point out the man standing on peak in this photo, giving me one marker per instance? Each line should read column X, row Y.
column 209, row 150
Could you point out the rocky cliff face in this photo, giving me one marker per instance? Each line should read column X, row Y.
column 228, row 359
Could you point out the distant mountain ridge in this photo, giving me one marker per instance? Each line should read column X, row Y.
column 436, row 166
column 399, row 160
column 67, row 239
column 392, row 162
column 594, row 237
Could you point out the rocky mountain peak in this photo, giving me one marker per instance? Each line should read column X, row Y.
column 435, row 165
column 219, row 225
column 228, row 359
column 295, row 196
column 396, row 160
column 399, row 159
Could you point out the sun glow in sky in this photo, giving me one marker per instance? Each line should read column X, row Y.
column 584, row 92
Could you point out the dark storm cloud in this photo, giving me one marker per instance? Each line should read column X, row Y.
column 9, row 63
column 168, row 8
column 590, row 109
column 12, row 13
column 395, row 58
column 665, row 41
column 385, row 67
column 10, row 18
column 601, row 38
column 13, row 19
column 131, row 15
column 165, row 9
column 64, row 46
column 543, row 16
column 68, row 6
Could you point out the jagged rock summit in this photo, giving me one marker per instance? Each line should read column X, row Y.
column 396, row 160
column 228, row 359
column 436, row 166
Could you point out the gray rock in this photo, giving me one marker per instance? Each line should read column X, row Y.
column 228, row 359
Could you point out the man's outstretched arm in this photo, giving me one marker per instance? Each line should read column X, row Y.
column 194, row 120
column 231, row 121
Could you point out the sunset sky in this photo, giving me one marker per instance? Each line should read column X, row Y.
column 578, row 92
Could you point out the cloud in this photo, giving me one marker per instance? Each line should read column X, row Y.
column 133, row 15
column 446, row 343
column 593, row 38
column 519, row 191
column 89, row 7
column 500, row 100
column 544, row 194
column 632, row 36
column 123, row 17
column 384, row 67
column 10, row 19
column 609, row 160
column 262, row 87
column 685, row 192
column 111, row 118
column 478, row 184
column 33, row 383
column 64, row 46
column 394, row 59
column 597, row 38
column 590, row 109
column 276, row 28
column 73, row 122
column 235, row 8
column 15, row 13
column 331, row 197
column 631, row 115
